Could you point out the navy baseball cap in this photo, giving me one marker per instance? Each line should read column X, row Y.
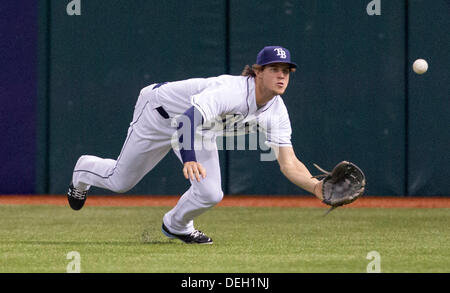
column 274, row 54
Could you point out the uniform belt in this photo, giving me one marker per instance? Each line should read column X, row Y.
column 162, row 112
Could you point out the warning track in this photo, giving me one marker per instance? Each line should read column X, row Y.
column 231, row 200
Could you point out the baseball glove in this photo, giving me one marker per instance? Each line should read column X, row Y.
column 343, row 185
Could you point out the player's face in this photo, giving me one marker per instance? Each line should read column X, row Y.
column 276, row 77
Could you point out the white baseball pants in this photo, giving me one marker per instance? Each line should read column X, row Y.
column 148, row 141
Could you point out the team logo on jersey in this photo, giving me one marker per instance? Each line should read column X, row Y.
column 280, row 52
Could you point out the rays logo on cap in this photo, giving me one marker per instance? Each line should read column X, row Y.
column 280, row 52
column 274, row 54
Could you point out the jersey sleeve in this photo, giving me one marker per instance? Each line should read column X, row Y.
column 186, row 131
column 215, row 102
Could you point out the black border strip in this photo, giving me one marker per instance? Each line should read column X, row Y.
column 229, row 282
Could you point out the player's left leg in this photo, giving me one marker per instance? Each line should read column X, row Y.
column 199, row 198
column 148, row 141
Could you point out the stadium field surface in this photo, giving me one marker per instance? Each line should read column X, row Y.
column 41, row 234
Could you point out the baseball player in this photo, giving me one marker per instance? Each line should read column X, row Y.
column 170, row 115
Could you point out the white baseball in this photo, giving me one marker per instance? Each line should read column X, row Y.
column 420, row 66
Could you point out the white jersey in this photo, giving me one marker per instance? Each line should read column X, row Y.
column 221, row 98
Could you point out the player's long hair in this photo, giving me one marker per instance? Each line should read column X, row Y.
column 250, row 71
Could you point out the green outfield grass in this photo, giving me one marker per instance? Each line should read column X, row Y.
column 246, row 240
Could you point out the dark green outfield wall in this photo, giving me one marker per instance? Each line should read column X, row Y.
column 100, row 60
column 429, row 98
column 353, row 97
column 347, row 99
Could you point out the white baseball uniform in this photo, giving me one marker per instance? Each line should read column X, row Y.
column 150, row 137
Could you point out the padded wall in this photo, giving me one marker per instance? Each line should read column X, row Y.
column 99, row 62
column 346, row 100
column 429, row 98
column 354, row 96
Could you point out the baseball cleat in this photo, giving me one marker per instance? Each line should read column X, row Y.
column 197, row 237
column 76, row 197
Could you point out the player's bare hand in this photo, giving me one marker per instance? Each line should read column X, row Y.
column 194, row 171
column 318, row 190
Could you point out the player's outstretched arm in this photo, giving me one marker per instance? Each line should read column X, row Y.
column 297, row 173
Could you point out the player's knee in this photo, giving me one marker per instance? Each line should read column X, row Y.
column 121, row 190
column 212, row 195
column 84, row 161
column 217, row 196
column 122, row 187
column 209, row 194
